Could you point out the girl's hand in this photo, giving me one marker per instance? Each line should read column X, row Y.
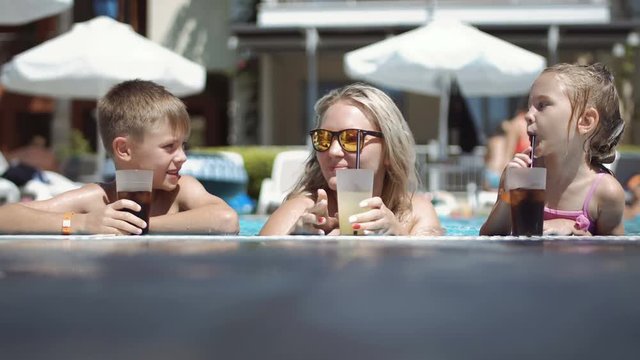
column 316, row 220
column 562, row 227
column 379, row 220
column 114, row 219
column 522, row 159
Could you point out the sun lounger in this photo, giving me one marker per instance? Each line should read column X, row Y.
column 287, row 168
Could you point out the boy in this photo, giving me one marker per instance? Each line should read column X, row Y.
column 143, row 126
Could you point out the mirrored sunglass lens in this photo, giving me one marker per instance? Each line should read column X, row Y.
column 321, row 140
column 349, row 139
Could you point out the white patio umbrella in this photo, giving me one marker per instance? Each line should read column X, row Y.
column 20, row 12
column 427, row 59
column 87, row 61
column 95, row 55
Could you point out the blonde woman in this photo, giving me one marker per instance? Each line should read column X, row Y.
column 387, row 147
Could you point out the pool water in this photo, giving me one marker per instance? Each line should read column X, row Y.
column 251, row 225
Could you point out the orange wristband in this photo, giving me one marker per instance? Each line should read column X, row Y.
column 66, row 223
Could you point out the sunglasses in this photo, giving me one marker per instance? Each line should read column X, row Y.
column 347, row 138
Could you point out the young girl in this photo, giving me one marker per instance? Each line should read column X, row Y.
column 575, row 116
column 387, row 147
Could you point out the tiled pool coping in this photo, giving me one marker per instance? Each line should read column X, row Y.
column 302, row 238
column 316, row 297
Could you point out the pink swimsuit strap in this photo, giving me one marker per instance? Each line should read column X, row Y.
column 575, row 214
column 592, row 189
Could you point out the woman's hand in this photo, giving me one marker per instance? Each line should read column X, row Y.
column 113, row 219
column 316, row 220
column 379, row 220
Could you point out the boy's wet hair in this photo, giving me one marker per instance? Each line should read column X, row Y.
column 135, row 106
column 593, row 86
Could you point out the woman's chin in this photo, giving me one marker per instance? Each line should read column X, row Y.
column 333, row 183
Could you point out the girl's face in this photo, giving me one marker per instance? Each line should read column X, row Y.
column 340, row 116
column 549, row 115
column 161, row 150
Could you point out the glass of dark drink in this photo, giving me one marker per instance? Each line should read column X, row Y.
column 526, row 188
column 136, row 185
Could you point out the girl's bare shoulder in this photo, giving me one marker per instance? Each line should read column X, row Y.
column 609, row 191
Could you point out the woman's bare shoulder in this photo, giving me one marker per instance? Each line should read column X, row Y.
column 425, row 219
column 285, row 216
column 298, row 201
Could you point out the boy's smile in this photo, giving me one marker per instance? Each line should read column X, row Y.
column 162, row 150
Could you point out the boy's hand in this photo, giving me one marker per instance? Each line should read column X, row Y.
column 114, row 219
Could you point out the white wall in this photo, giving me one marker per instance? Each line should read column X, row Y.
column 196, row 29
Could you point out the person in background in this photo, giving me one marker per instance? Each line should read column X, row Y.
column 143, row 127
column 387, row 147
column 35, row 154
column 575, row 115
column 509, row 138
column 495, row 158
column 633, row 208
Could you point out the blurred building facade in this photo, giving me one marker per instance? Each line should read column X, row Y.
column 293, row 53
column 268, row 61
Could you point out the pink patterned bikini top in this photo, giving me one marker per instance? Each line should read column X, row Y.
column 581, row 217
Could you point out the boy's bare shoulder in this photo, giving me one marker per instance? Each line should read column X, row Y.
column 191, row 191
column 189, row 186
column 189, row 181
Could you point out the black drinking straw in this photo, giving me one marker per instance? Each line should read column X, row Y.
column 355, row 232
column 358, row 150
column 532, row 139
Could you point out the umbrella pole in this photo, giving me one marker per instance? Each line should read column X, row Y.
column 443, row 124
column 60, row 138
column 101, row 153
column 437, row 176
column 312, row 77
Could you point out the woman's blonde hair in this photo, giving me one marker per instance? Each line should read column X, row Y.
column 134, row 106
column 593, row 86
column 400, row 180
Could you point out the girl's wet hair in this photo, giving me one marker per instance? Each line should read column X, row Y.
column 401, row 178
column 593, row 86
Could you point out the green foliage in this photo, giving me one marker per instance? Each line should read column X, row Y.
column 78, row 145
column 258, row 160
column 629, row 148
